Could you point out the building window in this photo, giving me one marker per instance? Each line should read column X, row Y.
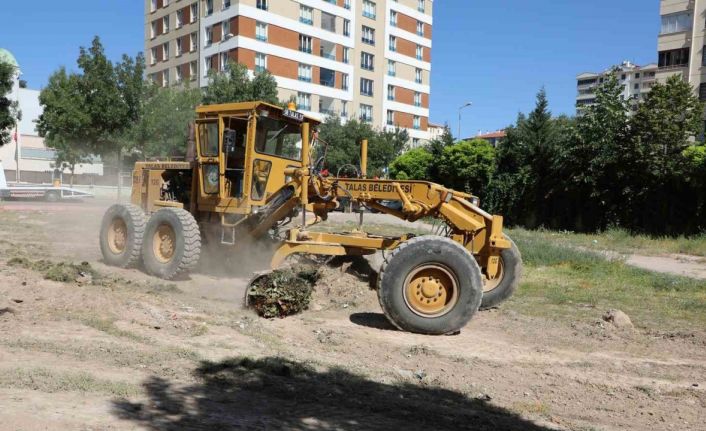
column 702, row 92
column 390, row 117
column 391, row 68
column 418, row 76
column 192, row 70
column 226, row 4
column 209, row 7
column 207, row 65
column 177, row 74
column 153, row 29
column 420, row 28
column 344, row 109
column 304, row 101
column 261, row 31
column 390, row 92
column 262, row 4
column 393, row 18
column 367, row 61
column 347, row 4
column 153, row 55
column 420, row 5
column 209, row 36
column 368, row 9
column 304, row 72
column 165, row 51
column 344, row 81
column 637, row 76
column 194, row 12
column 328, row 22
column 366, row 87
column 417, row 99
column 193, row 42
column 327, row 77
column 368, row 35
column 366, row 113
column 346, row 55
column 153, row 6
column 225, row 30
column 674, row 58
column 223, row 61
column 703, row 56
column 306, row 15
column 676, row 22
column 178, row 47
column 305, row 43
column 165, row 24
column 415, row 142
column 165, row 78
column 260, row 62
column 179, row 18
column 417, row 122
column 393, row 43
column 346, row 27
column 420, row 52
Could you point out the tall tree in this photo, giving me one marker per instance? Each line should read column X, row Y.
column 468, row 166
column 9, row 113
column 384, row 147
column 343, row 143
column 234, row 85
column 436, row 149
column 412, row 165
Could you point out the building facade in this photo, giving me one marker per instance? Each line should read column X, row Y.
column 363, row 59
column 636, row 82
column 681, row 43
column 172, row 41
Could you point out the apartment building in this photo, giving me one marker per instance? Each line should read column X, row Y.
column 636, row 81
column 681, row 43
column 363, row 59
column 172, row 41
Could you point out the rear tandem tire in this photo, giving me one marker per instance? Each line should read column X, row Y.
column 497, row 291
column 172, row 243
column 430, row 285
column 121, row 234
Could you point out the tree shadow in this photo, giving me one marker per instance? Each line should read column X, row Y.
column 277, row 393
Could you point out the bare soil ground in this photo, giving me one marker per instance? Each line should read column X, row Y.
column 119, row 350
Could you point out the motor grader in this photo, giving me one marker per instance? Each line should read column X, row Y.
column 250, row 176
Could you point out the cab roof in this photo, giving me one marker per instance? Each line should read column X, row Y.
column 244, row 107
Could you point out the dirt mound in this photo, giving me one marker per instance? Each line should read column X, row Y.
column 63, row 272
column 283, row 292
column 344, row 282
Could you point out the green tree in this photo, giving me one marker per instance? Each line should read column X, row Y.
column 663, row 128
column 468, row 166
column 342, row 143
column 413, row 164
column 9, row 113
column 383, row 148
column 234, row 85
column 436, row 149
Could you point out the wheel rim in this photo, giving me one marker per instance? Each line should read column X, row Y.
column 431, row 290
column 117, row 236
column 164, row 243
column 494, row 283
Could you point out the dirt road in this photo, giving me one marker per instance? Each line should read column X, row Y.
column 123, row 351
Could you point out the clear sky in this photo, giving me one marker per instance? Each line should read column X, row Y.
column 494, row 53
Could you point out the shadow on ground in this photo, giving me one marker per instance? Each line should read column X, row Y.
column 276, row 393
column 372, row 320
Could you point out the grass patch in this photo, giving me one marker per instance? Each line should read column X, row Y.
column 622, row 241
column 108, row 326
column 45, row 380
column 562, row 281
column 63, row 272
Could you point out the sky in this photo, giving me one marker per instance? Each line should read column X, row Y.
column 494, row 53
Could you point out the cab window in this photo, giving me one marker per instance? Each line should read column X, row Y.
column 208, row 139
column 278, row 138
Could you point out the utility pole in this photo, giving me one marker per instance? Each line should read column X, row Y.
column 466, row 105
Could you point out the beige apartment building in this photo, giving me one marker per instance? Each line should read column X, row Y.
column 681, row 42
column 363, row 59
column 172, row 41
column 635, row 80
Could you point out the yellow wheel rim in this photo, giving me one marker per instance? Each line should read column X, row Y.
column 431, row 290
column 494, row 283
column 164, row 243
column 117, row 236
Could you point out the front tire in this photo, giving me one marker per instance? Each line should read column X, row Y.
column 172, row 243
column 430, row 285
column 509, row 275
column 122, row 230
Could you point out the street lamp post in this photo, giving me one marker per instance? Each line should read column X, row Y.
column 466, row 105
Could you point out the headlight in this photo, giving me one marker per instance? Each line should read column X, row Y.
column 475, row 200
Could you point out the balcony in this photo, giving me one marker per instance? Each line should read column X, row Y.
column 327, row 50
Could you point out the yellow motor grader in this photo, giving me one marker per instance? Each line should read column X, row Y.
column 250, row 171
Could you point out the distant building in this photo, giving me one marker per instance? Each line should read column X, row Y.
column 436, row 131
column 493, row 138
column 36, row 161
column 636, row 82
